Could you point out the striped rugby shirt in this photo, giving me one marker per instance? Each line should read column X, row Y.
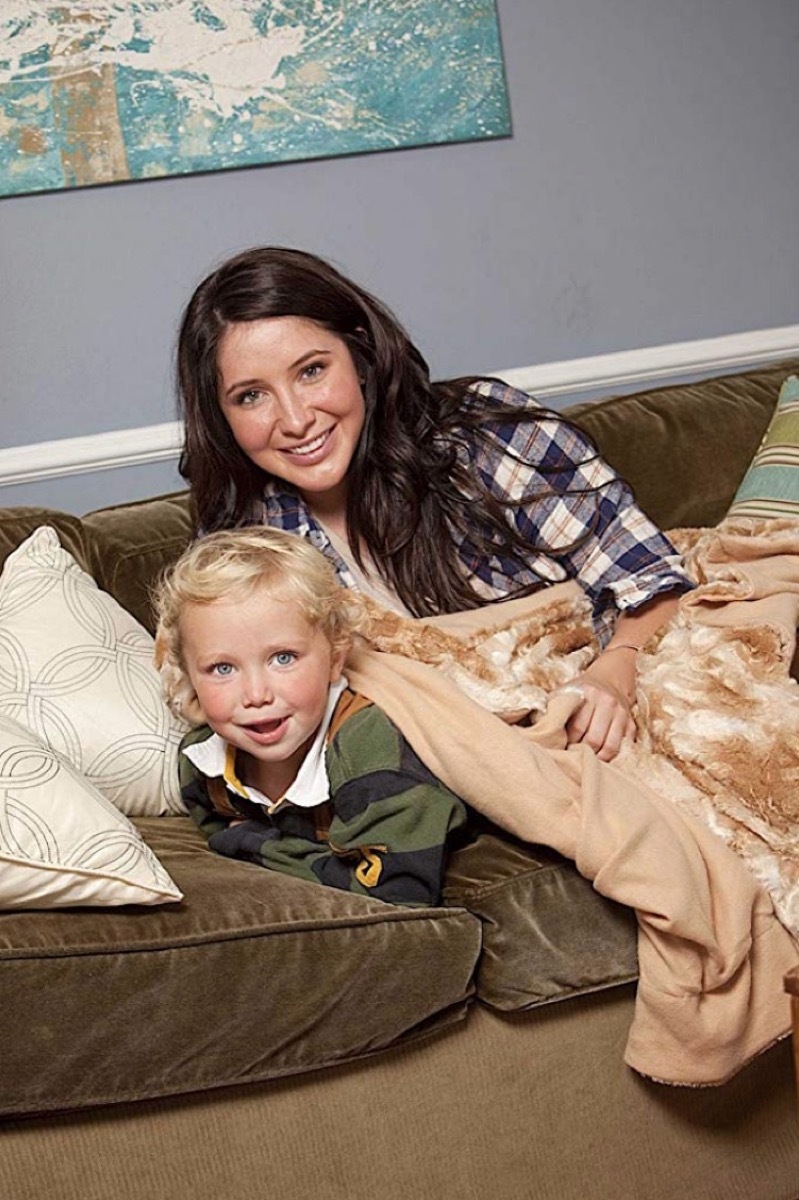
column 380, row 827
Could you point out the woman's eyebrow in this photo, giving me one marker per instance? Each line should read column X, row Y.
column 304, row 358
column 240, row 383
column 244, row 383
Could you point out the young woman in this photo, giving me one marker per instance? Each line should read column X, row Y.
column 307, row 407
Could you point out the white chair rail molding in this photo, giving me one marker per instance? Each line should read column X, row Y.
column 601, row 374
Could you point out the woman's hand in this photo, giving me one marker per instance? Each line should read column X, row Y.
column 604, row 719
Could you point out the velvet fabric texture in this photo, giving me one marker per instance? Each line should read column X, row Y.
column 253, row 976
column 535, row 1103
column 661, row 442
column 130, row 545
column 547, row 934
column 17, row 524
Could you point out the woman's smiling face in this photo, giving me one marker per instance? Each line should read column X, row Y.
column 289, row 390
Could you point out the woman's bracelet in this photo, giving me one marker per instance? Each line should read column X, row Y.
column 621, row 646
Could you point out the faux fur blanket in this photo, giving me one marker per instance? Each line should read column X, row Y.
column 694, row 826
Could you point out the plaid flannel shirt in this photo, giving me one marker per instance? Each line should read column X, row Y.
column 579, row 519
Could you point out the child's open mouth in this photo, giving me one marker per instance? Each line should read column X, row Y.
column 267, row 731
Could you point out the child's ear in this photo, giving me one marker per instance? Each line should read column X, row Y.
column 190, row 709
column 337, row 663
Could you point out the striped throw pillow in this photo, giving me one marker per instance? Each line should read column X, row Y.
column 770, row 487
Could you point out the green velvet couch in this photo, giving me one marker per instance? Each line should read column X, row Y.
column 266, row 1038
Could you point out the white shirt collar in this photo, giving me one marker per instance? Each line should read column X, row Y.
column 215, row 757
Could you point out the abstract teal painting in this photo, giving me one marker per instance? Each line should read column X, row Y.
column 100, row 91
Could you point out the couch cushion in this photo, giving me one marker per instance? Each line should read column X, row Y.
column 17, row 524
column 254, row 976
column 684, row 449
column 132, row 543
column 547, row 935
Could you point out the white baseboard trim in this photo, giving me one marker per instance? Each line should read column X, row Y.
column 602, row 372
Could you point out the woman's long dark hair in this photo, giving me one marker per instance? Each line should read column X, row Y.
column 409, row 498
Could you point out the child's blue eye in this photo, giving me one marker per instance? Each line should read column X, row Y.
column 223, row 669
column 284, row 658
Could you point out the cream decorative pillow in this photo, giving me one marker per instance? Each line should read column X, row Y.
column 62, row 844
column 770, row 487
column 77, row 670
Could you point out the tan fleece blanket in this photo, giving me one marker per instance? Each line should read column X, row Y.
column 687, row 826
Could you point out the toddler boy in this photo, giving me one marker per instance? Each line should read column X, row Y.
column 289, row 768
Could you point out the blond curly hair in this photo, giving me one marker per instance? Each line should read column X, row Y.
column 231, row 565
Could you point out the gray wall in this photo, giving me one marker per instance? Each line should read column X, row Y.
column 648, row 195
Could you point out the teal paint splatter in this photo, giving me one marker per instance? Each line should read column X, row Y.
column 373, row 75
